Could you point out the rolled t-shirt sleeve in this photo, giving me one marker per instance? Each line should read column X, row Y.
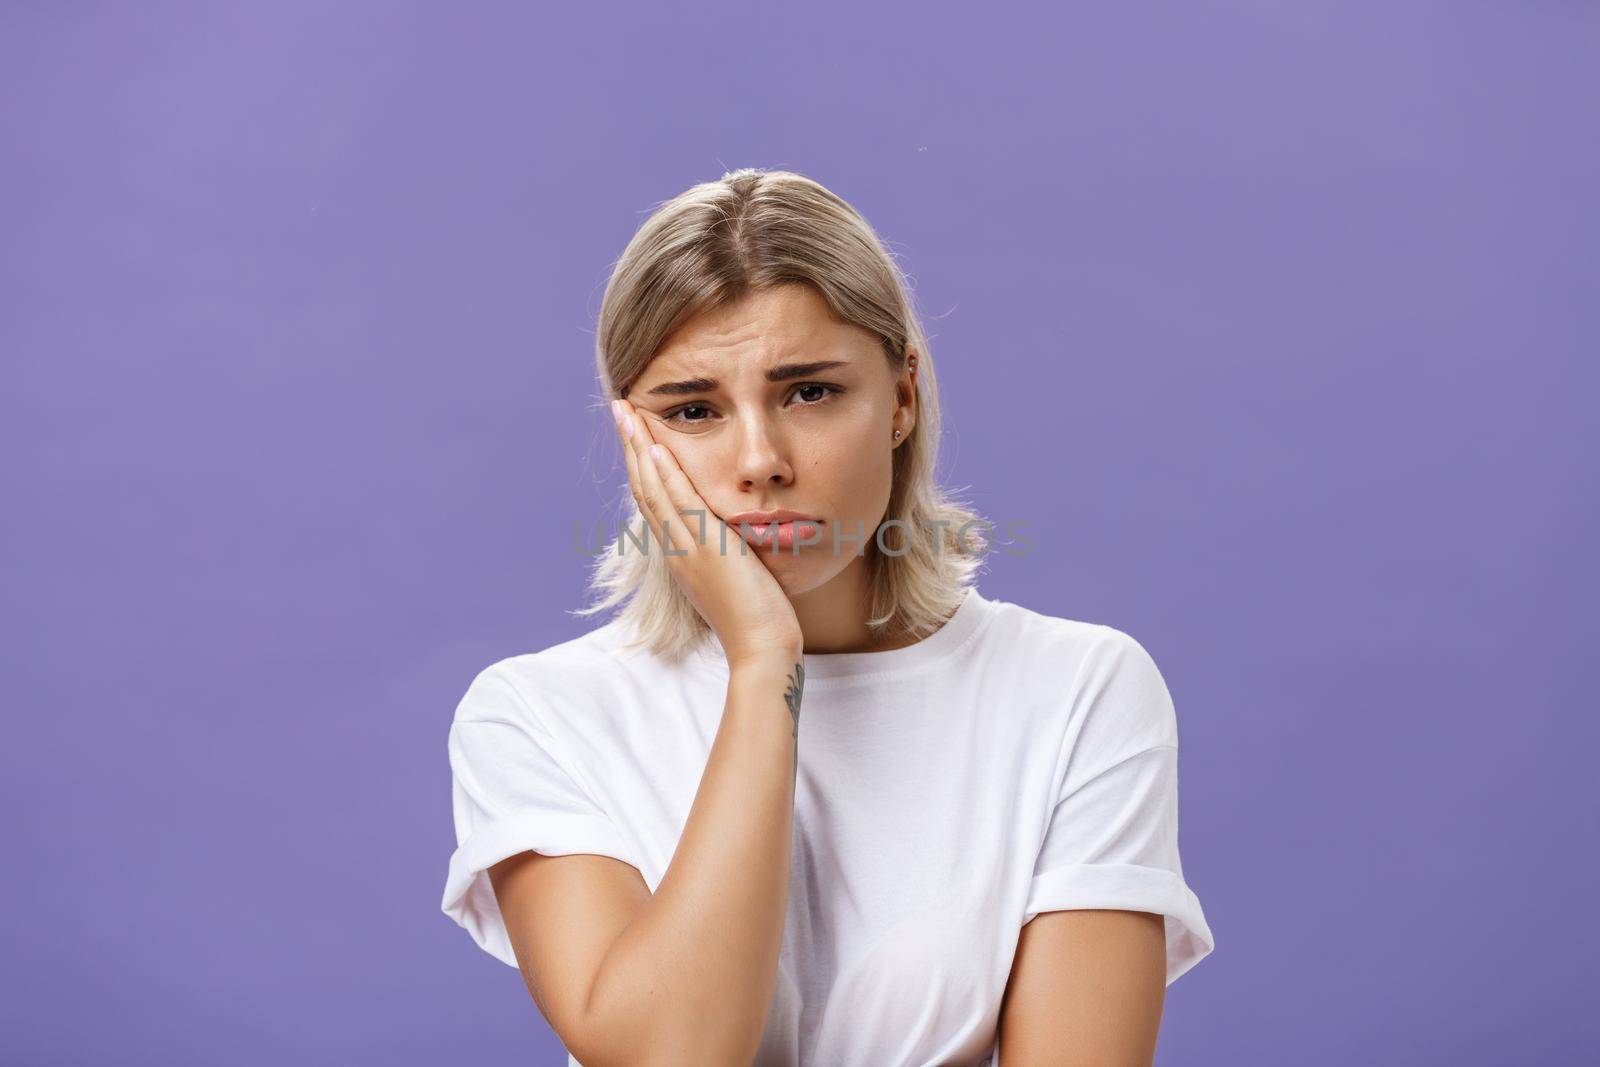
column 510, row 794
column 1112, row 836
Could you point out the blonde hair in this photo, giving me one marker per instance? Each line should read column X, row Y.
column 710, row 246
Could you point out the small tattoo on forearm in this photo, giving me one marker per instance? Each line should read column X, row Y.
column 792, row 696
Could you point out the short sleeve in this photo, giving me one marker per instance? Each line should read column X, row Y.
column 1112, row 837
column 510, row 794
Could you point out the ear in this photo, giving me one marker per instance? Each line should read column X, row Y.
column 905, row 388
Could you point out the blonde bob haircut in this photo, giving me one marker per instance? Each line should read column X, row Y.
column 709, row 247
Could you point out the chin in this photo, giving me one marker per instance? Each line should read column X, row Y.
column 796, row 574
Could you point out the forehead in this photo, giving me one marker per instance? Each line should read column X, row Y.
column 759, row 330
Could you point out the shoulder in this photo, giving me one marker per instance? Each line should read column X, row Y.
column 1075, row 648
column 1120, row 696
column 1088, row 671
column 524, row 686
column 595, row 681
column 1117, row 656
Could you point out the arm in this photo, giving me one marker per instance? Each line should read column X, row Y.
column 1109, row 921
column 1087, row 989
column 685, row 975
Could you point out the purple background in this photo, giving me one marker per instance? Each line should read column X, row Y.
column 1277, row 323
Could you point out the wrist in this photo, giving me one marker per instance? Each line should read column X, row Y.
column 781, row 661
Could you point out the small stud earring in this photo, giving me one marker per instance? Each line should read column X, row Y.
column 897, row 435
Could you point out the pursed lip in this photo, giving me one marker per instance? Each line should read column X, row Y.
column 765, row 518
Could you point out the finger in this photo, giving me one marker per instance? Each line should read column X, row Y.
column 680, row 492
column 621, row 409
column 653, row 502
column 655, row 491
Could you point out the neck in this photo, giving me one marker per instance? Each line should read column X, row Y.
column 833, row 616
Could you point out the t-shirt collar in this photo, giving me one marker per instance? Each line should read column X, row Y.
column 830, row 667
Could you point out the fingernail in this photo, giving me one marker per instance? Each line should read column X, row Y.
column 621, row 418
column 655, row 453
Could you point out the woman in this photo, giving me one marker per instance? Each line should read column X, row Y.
column 810, row 798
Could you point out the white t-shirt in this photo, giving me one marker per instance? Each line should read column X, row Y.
column 1008, row 764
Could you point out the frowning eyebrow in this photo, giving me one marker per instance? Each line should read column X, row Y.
column 784, row 373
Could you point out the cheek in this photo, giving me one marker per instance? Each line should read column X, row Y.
column 704, row 468
column 700, row 465
column 856, row 476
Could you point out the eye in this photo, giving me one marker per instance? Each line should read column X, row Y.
column 681, row 415
column 677, row 416
column 831, row 392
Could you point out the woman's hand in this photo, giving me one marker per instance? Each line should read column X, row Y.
column 729, row 586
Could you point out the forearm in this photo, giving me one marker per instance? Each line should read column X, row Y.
column 691, row 978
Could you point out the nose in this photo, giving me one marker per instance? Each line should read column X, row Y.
column 763, row 455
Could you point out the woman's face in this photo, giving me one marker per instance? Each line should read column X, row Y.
column 774, row 404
